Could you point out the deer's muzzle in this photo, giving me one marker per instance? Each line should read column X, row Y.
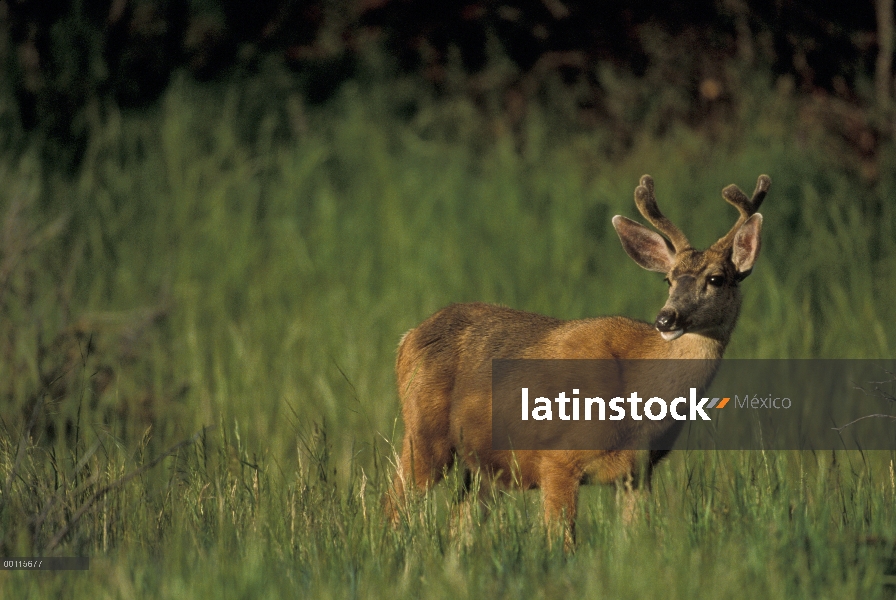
column 667, row 324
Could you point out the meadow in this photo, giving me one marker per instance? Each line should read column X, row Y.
column 198, row 328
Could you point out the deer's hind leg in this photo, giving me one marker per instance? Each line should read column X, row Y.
column 560, row 491
column 426, row 454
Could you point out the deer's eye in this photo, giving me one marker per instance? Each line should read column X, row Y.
column 716, row 280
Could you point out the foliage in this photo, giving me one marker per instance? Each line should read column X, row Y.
column 63, row 62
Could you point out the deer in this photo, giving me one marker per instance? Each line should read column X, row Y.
column 444, row 366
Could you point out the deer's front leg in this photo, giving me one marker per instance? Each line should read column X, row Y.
column 633, row 491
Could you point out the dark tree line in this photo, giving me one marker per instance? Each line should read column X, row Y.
column 59, row 55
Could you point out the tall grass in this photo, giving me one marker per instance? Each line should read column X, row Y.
column 209, row 269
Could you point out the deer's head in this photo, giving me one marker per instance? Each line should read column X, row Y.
column 703, row 284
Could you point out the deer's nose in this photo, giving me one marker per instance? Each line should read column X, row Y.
column 665, row 321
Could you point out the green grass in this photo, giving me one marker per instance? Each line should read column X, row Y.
column 253, row 274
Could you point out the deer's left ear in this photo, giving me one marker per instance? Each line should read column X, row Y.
column 745, row 247
column 648, row 249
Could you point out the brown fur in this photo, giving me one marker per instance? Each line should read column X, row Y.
column 444, row 373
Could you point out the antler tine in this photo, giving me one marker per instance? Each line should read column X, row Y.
column 645, row 199
column 746, row 206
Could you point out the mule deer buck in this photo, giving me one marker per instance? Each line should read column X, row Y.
column 444, row 365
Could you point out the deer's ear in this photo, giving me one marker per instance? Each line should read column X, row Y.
column 745, row 247
column 647, row 248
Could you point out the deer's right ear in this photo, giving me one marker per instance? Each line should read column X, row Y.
column 647, row 248
column 745, row 247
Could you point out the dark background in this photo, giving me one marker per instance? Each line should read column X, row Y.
column 59, row 57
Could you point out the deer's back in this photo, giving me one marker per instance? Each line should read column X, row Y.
column 462, row 339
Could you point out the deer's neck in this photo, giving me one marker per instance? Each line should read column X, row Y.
column 696, row 346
